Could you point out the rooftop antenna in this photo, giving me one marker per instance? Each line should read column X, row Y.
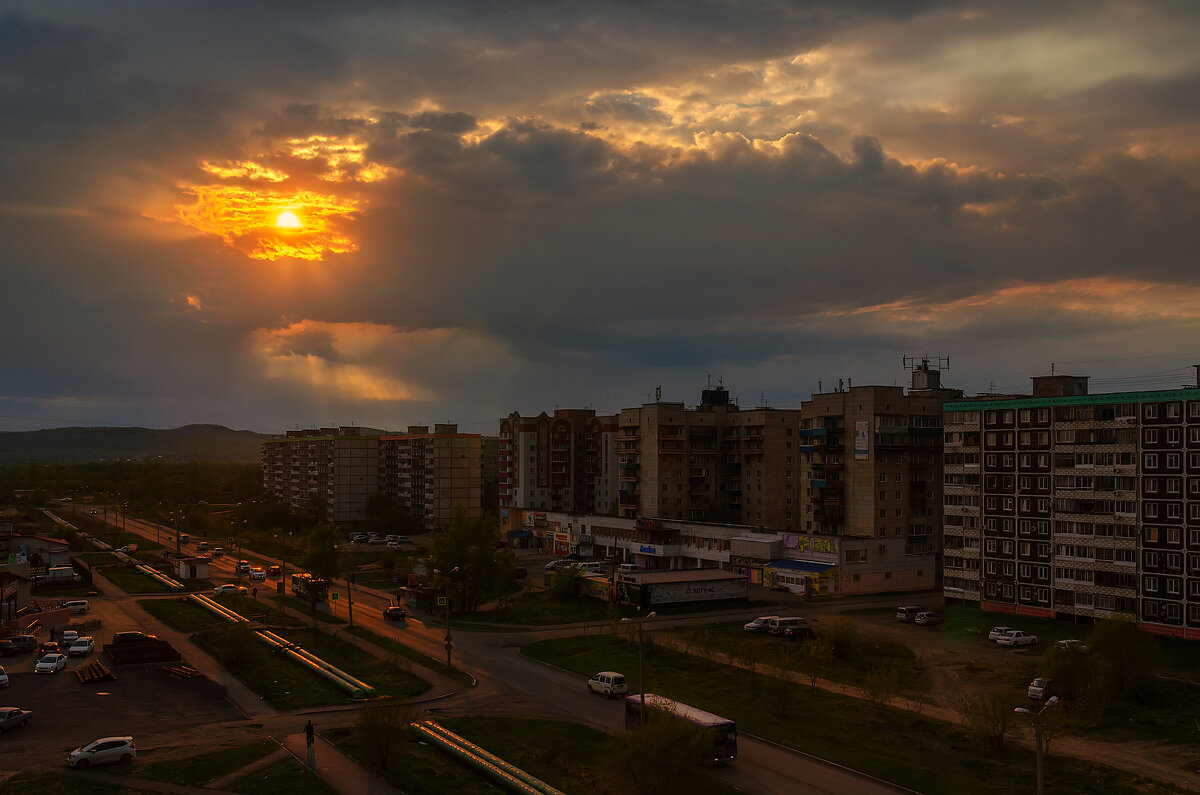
column 658, row 394
column 1051, row 368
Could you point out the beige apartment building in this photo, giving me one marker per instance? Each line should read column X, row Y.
column 871, row 468
column 338, row 469
column 565, row 462
column 714, row 463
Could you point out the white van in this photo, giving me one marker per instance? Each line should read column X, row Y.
column 77, row 605
column 590, row 567
column 608, row 683
column 777, row 625
column 626, row 568
column 908, row 613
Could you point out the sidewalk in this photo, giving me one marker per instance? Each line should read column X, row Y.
column 338, row 770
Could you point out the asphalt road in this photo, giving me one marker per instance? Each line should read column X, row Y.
column 510, row 684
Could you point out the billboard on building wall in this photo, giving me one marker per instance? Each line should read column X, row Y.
column 862, row 440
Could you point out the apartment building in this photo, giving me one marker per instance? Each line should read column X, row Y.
column 564, row 462
column 331, row 470
column 336, row 470
column 711, row 463
column 871, row 468
column 431, row 472
column 1070, row 505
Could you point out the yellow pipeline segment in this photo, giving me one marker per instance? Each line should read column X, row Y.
column 217, row 607
column 176, row 584
column 472, row 748
column 501, row 776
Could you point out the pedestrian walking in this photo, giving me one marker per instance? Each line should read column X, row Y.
column 254, row 592
column 308, row 733
column 52, row 630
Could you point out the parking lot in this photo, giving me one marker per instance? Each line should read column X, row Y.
column 161, row 713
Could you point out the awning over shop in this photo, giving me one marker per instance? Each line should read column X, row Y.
column 519, row 534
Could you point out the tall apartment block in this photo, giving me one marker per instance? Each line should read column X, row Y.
column 335, row 469
column 566, row 462
column 1070, row 505
column 430, row 473
column 711, row 463
column 871, row 468
column 340, row 468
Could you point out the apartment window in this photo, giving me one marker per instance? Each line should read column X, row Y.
column 1173, row 411
column 1151, row 411
column 1151, row 436
column 1150, row 584
column 1152, row 485
column 1150, row 559
column 883, row 477
column 898, row 495
column 1151, row 461
column 1172, row 435
column 883, row 513
column 1173, row 510
column 1173, row 485
column 899, row 513
column 1173, row 460
column 899, row 477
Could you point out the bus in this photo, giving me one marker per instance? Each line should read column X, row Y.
column 723, row 731
column 305, row 586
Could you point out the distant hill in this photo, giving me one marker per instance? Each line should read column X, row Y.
column 210, row 443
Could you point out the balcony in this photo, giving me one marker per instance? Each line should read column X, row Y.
column 812, row 433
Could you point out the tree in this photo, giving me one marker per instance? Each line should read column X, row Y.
column 321, row 558
column 841, row 635
column 990, row 714
column 383, row 725
column 474, row 545
column 663, row 756
column 1126, row 654
column 813, row 659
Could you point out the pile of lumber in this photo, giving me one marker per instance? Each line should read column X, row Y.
column 94, row 672
column 181, row 671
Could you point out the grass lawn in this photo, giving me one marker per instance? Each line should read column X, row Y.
column 415, row 768
column 377, row 578
column 396, row 647
column 866, row 657
column 568, row 756
column 66, row 784
column 389, row 677
column 935, row 757
column 197, row 770
column 181, row 614
column 65, row 591
column 131, row 580
column 97, row 558
column 285, row 777
column 303, row 606
column 540, row 608
column 280, row 681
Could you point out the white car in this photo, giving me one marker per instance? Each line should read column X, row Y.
column 1072, row 643
column 106, row 750
column 758, row 625
column 996, row 632
column 223, row 590
column 82, row 647
column 51, row 663
column 3, row 678
column 608, row 683
column 1015, row 637
column 257, row 574
column 69, row 636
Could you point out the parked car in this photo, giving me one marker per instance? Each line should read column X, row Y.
column 224, row 590
column 77, row 606
column 13, row 718
column 908, row 613
column 801, row 632
column 104, row 751
column 608, row 683
column 376, row 538
column 82, row 647
column 1039, row 689
column 1015, row 637
column 557, row 563
column 24, row 643
column 51, row 663
column 995, row 632
column 257, row 574
column 8, row 648
column 184, row 538
column 927, row 618
column 67, row 637
column 758, row 625
column 1072, row 643
column 358, row 538
column 395, row 613
column 394, row 545
column 778, row 624
column 201, row 546
column 48, row 647
column 3, row 677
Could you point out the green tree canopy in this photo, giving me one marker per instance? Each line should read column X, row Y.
column 474, row 546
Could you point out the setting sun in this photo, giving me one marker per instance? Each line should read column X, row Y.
column 288, row 220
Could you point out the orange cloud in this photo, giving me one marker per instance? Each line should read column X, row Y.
column 247, row 220
column 1128, row 300
column 345, row 158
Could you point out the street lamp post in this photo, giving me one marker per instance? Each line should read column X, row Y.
column 641, row 678
column 1039, row 732
column 449, row 640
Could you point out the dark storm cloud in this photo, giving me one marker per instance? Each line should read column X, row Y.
column 588, row 199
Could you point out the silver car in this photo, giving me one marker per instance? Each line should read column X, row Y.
column 104, row 751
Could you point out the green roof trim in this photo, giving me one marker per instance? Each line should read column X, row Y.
column 1074, row 400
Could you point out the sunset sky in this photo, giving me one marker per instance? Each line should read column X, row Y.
column 285, row 214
